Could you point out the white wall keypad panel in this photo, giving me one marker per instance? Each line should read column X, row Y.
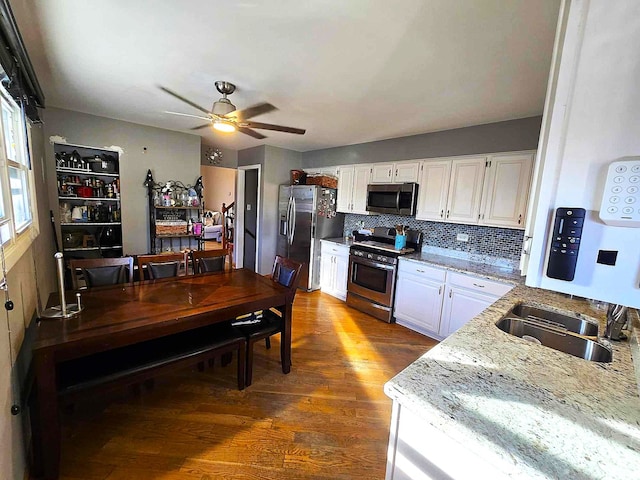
column 621, row 196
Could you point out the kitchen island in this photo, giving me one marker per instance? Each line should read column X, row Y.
column 486, row 404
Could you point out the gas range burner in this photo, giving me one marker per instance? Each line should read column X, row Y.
column 383, row 247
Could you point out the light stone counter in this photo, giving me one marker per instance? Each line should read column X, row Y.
column 338, row 241
column 529, row 410
column 483, row 270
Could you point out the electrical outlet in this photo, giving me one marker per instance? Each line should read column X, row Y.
column 462, row 237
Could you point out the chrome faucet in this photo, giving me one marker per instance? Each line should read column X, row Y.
column 616, row 319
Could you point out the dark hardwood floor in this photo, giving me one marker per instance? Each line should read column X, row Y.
column 328, row 419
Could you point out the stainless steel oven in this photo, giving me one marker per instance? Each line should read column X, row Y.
column 373, row 263
column 371, row 278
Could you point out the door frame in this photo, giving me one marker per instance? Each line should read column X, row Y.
column 238, row 248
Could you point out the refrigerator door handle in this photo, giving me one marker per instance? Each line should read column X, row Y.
column 292, row 228
column 288, row 231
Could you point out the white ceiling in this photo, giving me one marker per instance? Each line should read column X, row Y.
column 347, row 71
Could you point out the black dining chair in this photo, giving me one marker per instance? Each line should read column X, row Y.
column 205, row 261
column 264, row 324
column 163, row 265
column 99, row 272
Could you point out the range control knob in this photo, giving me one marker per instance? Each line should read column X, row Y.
column 369, row 255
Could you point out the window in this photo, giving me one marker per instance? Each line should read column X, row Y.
column 15, row 196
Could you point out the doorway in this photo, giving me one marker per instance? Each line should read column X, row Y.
column 247, row 241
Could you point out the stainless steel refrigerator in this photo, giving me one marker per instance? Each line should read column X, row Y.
column 307, row 213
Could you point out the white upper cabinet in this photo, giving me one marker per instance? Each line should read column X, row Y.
column 382, row 173
column 352, row 188
column 406, row 172
column 361, row 179
column 345, row 189
column 397, row 172
column 433, row 190
column 465, row 189
column 490, row 190
column 506, row 190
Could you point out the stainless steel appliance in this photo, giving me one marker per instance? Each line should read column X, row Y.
column 307, row 213
column 393, row 198
column 373, row 264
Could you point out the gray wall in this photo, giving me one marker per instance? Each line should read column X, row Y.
column 229, row 156
column 276, row 165
column 505, row 136
column 170, row 156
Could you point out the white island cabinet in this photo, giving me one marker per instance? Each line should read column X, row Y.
column 334, row 268
column 436, row 302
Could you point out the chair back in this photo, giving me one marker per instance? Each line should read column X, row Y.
column 287, row 273
column 163, row 265
column 205, row 261
column 98, row 272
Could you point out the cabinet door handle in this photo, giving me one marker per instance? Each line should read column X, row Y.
column 478, row 285
column 449, row 293
column 418, row 270
column 447, row 213
column 440, row 290
column 519, row 219
column 441, row 213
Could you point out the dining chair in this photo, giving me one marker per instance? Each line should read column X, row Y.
column 264, row 324
column 98, row 272
column 205, row 261
column 162, row 265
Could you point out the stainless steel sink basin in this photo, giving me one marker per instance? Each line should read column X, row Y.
column 560, row 340
column 555, row 319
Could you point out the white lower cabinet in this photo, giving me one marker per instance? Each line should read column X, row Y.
column 436, row 303
column 418, row 302
column 334, row 269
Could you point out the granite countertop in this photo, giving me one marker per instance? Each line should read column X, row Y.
column 338, row 241
column 479, row 269
column 529, row 410
column 483, row 270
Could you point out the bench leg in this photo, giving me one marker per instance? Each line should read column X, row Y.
column 242, row 365
column 249, row 363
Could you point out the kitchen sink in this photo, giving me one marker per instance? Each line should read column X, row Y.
column 556, row 338
column 555, row 320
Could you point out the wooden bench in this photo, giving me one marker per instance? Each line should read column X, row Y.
column 139, row 362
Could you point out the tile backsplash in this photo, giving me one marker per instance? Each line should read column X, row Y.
column 490, row 241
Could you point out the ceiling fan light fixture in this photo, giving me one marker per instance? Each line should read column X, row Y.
column 222, row 107
column 224, row 126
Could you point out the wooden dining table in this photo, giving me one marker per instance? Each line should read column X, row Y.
column 131, row 314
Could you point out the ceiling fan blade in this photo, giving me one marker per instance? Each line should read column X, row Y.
column 253, row 111
column 188, row 102
column 277, row 128
column 251, row 133
column 187, row 115
column 201, row 126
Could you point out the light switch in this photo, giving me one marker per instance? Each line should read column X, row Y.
column 462, row 237
column 248, row 207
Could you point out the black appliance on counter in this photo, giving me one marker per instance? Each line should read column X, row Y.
column 373, row 265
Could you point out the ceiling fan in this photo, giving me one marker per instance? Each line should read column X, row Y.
column 225, row 118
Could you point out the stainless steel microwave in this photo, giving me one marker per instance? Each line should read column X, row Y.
column 393, row 198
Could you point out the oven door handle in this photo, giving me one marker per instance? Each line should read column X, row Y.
column 371, row 263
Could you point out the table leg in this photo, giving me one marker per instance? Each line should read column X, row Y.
column 45, row 423
column 285, row 343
